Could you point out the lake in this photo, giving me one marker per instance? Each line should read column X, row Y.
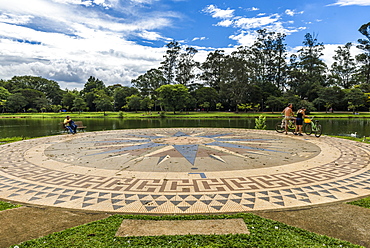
column 38, row 127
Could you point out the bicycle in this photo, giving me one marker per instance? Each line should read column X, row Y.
column 280, row 126
column 312, row 127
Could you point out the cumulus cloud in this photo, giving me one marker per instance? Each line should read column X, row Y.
column 246, row 27
column 219, row 13
column 290, row 12
column 66, row 41
column 256, row 22
column 253, row 9
column 352, row 2
column 198, row 38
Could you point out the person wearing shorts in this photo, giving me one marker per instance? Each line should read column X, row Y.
column 288, row 115
column 299, row 121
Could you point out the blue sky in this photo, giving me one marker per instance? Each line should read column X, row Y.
column 116, row 41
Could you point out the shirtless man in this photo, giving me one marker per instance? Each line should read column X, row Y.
column 288, row 115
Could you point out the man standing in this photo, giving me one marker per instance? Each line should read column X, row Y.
column 288, row 115
column 68, row 123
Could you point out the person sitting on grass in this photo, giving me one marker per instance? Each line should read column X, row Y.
column 68, row 123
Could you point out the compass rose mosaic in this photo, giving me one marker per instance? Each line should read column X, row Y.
column 183, row 171
column 182, row 150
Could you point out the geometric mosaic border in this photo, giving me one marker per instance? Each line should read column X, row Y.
column 343, row 178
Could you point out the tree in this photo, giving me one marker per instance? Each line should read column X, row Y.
column 133, row 102
column 120, row 95
column 206, row 94
column 213, row 69
column 344, row 67
column 146, row 103
column 49, row 88
column 79, row 104
column 16, row 102
column 170, row 61
column 329, row 97
column 308, row 73
column 31, row 96
column 364, row 58
column 355, row 98
column 185, row 71
column 269, row 60
column 274, row 103
column 103, row 102
column 174, row 97
column 42, row 104
column 68, row 99
column 92, row 85
column 4, row 93
column 149, row 82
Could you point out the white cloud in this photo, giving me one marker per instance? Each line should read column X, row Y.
column 150, row 35
column 103, row 3
column 256, row 22
column 329, row 52
column 290, row 12
column 225, row 23
column 219, row 13
column 15, row 19
column 245, row 38
column 352, row 2
column 199, row 38
column 66, row 41
column 253, row 9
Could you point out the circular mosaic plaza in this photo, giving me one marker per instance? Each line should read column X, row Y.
column 183, row 171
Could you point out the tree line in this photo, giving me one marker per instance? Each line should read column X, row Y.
column 260, row 77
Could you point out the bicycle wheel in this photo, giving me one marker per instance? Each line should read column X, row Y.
column 280, row 128
column 307, row 129
column 318, row 130
column 292, row 126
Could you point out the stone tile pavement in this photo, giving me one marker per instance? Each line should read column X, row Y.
column 183, row 171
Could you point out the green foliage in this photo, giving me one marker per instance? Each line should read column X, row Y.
column 133, row 102
column 174, row 97
column 12, row 139
column 263, row 233
column 365, row 202
column 260, row 122
column 8, row 205
column 16, row 102
column 219, row 106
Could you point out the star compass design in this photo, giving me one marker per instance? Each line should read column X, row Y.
column 181, row 150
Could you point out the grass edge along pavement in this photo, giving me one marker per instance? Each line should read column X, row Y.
column 263, row 233
column 211, row 114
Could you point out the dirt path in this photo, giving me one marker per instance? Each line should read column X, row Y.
column 25, row 223
column 342, row 221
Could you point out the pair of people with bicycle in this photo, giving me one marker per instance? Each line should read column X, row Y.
column 289, row 115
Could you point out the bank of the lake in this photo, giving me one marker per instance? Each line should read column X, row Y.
column 200, row 114
column 40, row 127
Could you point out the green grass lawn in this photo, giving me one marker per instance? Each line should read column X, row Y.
column 7, row 205
column 141, row 114
column 12, row 139
column 263, row 233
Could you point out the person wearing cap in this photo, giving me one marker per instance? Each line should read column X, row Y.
column 68, row 123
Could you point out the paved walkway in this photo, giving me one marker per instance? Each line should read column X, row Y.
column 300, row 181
column 183, row 171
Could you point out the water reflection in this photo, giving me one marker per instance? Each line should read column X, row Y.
column 43, row 127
